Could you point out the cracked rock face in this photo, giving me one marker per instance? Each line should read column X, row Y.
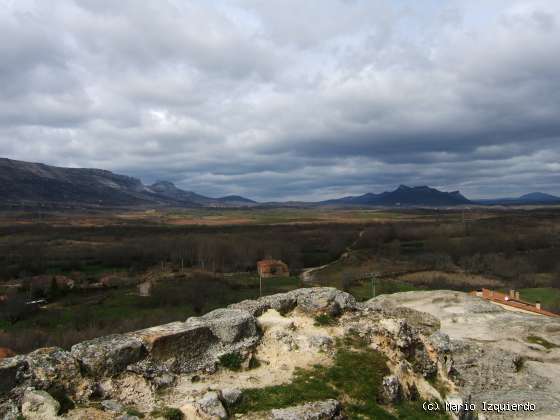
column 484, row 351
column 110, row 355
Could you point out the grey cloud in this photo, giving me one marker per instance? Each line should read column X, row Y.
column 288, row 99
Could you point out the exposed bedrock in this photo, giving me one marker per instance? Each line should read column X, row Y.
column 438, row 345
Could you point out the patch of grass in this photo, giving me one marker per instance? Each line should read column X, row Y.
column 324, row 320
column 168, row 413
column 355, row 375
column 534, row 339
column 355, row 378
column 131, row 411
column 439, row 385
column 231, row 361
column 548, row 296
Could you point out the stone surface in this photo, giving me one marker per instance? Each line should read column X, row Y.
column 112, row 405
column 110, row 355
column 231, row 325
column 11, row 373
column 391, row 391
column 231, row 395
column 271, row 319
column 320, row 410
column 476, row 348
column 211, row 405
column 178, row 346
column 39, row 405
column 485, row 349
column 323, row 300
column 54, row 369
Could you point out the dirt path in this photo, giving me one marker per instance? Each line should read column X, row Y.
column 307, row 273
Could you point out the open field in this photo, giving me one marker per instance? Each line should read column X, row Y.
column 199, row 260
column 221, row 217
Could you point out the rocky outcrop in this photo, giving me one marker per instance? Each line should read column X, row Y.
column 438, row 345
column 326, row 300
column 320, row 410
column 485, row 352
column 39, row 405
column 106, row 356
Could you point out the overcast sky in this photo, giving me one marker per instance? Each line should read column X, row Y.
column 288, row 99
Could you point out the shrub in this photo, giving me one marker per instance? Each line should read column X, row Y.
column 231, row 361
column 168, row 413
column 324, row 319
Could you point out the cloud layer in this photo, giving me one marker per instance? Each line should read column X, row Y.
column 288, row 99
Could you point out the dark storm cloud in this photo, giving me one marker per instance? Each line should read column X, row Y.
column 288, row 99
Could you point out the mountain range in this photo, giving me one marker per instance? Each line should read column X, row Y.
column 39, row 184
column 405, row 196
column 25, row 182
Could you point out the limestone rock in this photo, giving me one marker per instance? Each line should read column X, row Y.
column 9, row 411
column 440, row 342
column 178, row 346
column 211, row 405
column 231, row 395
column 314, row 300
column 112, row 405
column 231, row 325
column 11, row 372
column 54, row 369
column 110, row 355
column 281, row 302
column 254, row 307
column 272, row 319
column 320, row 410
column 391, row 391
column 39, row 405
column 324, row 300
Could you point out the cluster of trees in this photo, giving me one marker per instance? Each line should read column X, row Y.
column 219, row 249
column 510, row 248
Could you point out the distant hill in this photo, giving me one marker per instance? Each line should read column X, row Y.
column 37, row 183
column 25, row 183
column 404, row 196
column 534, row 198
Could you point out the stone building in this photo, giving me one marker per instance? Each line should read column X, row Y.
column 272, row 268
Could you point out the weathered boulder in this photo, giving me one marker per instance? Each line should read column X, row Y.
column 110, row 355
column 230, row 325
column 9, row 411
column 313, row 300
column 281, row 302
column 399, row 330
column 422, row 321
column 12, row 371
column 254, row 307
column 324, row 300
column 320, row 410
column 391, row 390
column 231, row 395
column 211, row 405
column 112, row 405
column 178, row 346
column 54, row 369
column 39, row 405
